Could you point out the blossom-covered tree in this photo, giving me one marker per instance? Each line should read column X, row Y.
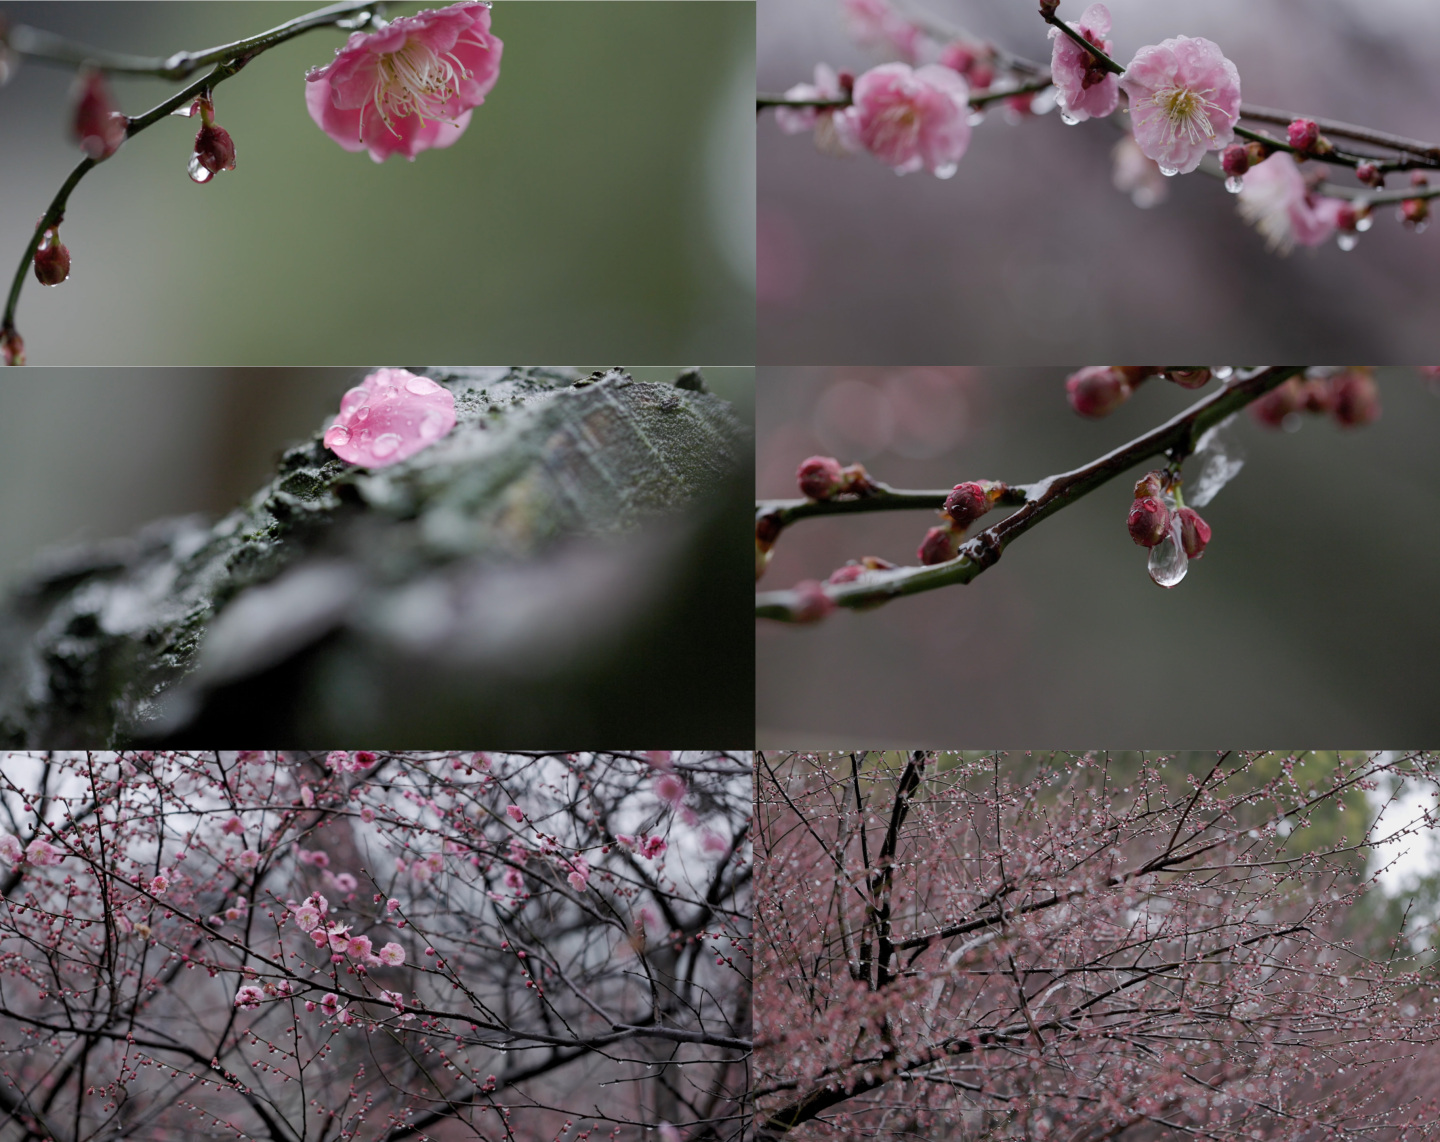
column 1075, row 947
column 374, row 945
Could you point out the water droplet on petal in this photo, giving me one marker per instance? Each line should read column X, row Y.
column 199, row 173
column 420, row 386
column 1364, row 222
column 1346, row 241
column 1168, row 562
column 946, row 170
column 1168, row 172
column 337, row 434
column 384, row 445
column 1069, row 120
column 1235, row 184
column 977, row 117
column 361, row 413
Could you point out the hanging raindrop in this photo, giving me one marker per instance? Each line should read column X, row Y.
column 1235, row 184
column 1168, row 562
column 1069, row 120
column 1346, row 241
column 1169, row 172
column 199, row 172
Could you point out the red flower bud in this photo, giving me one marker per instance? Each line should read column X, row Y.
column 214, row 152
column 52, row 260
column 1272, row 409
column 1355, row 398
column 1189, row 377
column 938, row 546
column 1194, row 532
column 1257, row 152
column 847, row 574
column 98, row 126
column 1149, row 521
column 11, row 347
column 1316, row 395
column 814, row 603
column 820, row 477
column 1151, row 485
column 1414, row 211
column 767, row 530
column 1303, row 134
column 1369, row 174
column 1097, row 390
column 1235, row 160
column 966, row 504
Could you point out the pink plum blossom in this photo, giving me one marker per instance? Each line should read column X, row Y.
column 876, row 23
column 653, row 847
column 358, row 947
column 625, row 839
column 330, row 1003
column 41, row 853
column 579, row 874
column 1184, row 101
column 367, row 814
column 909, row 118
column 394, row 998
column 158, row 885
column 1083, row 87
column 798, row 120
column 10, row 848
column 392, row 954
column 516, row 813
column 671, row 790
column 249, row 996
column 1276, row 200
column 345, row 882
column 514, row 880
column 339, row 936
column 392, row 905
column 410, row 86
column 234, row 826
column 391, row 415
column 336, row 759
column 307, row 919
column 248, row 859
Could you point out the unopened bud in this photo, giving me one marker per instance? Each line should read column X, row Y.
column 52, row 259
column 1355, row 398
column 1369, row 174
column 1235, row 160
column 12, row 348
column 1151, row 484
column 1047, row 7
column 967, row 503
column 214, row 149
column 1414, row 211
column 1149, row 521
column 1346, row 217
column 846, row 78
column 1097, row 390
column 1272, row 408
column 847, row 574
column 1315, row 395
column 1194, row 532
column 875, row 563
column 98, row 126
column 820, row 477
column 1189, row 377
column 1303, row 135
column 938, row 546
column 813, row 604
column 1257, row 152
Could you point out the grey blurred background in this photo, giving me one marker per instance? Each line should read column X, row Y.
column 89, row 453
column 1029, row 254
column 601, row 203
column 1311, row 617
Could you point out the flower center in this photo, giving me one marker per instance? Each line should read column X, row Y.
column 896, row 126
column 1186, row 112
column 416, row 80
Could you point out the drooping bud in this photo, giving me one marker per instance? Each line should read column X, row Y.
column 1303, row 135
column 820, row 477
column 1272, row 408
column 1194, row 532
column 12, row 348
column 1149, row 521
column 938, row 546
column 1235, row 160
column 814, row 604
column 1369, row 174
column 98, row 126
column 214, row 149
column 967, row 503
column 1150, row 485
column 1097, row 390
column 52, row 259
column 1355, row 398
column 1189, row 376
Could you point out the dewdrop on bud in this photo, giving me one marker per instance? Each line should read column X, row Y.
column 1149, row 521
column 1194, row 532
column 1235, row 161
column 938, row 546
column 967, row 503
column 820, row 477
column 52, row 259
column 1097, row 390
column 1189, row 377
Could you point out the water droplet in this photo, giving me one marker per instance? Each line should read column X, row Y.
column 1346, row 241
column 1168, row 172
column 977, row 117
column 1168, row 562
column 1235, row 183
column 420, row 386
column 384, row 445
column 946, row 170
column 362, row 413
column 1223, row 372
column 199, row 173
column 1043, row 102
column 1364, row 222
column 1069, row 120
column 1221, row 459
column 187, row 110
column 337, row 434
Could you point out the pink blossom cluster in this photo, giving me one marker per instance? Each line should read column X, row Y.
column 648, row 847
column 356, row 762
column 40, row 853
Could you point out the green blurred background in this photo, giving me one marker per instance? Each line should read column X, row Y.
column 600, row 205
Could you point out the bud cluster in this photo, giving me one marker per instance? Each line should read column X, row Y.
column 1097, row 390
column 1152, row 519
column 1351, row 397
column 823, row 478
